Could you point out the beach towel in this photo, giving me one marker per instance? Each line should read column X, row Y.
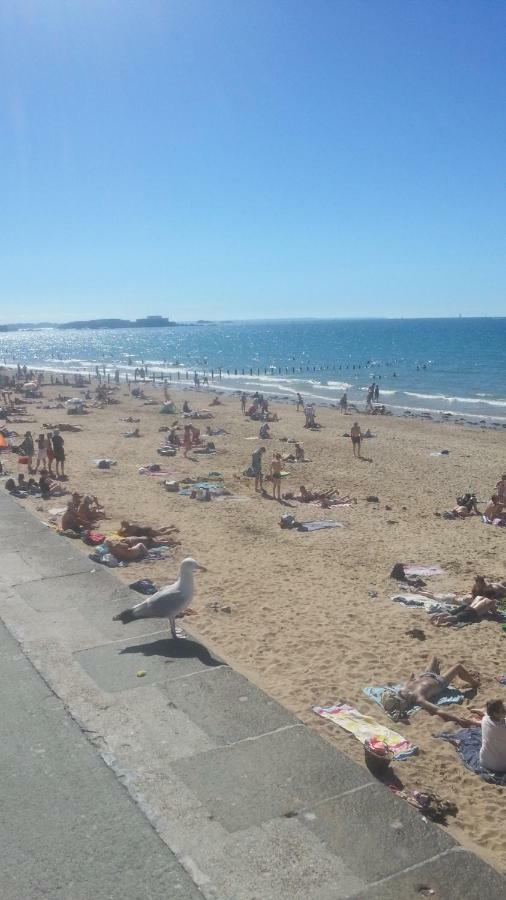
column 430, row 606
column 423, row 571
column 488, row 521
column 210, row 486
column 316, row 526
column 467, row 742
column 366, row 728
column 445, row 698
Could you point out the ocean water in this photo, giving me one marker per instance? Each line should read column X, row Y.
column 423, row 365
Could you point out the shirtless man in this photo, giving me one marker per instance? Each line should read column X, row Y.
column 494, row 509
column 126, row 551
column 418, row 690
column 466, row 612
column 70, row 520
column 276, row 465
column 131, row 529
column 356, row 437
column 501, row 489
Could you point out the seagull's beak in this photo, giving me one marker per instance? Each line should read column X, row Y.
column 202, row 568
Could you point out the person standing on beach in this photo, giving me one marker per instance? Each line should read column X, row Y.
column 300, row 402
column 343, row 403
column 187, row 440
column 356, row 437
column 50, row 451
column 243, row 403
column 27, row 449
column 276, row 476
column 256, row 465
column 59, row 454
column 376, row 393
column 41, row 452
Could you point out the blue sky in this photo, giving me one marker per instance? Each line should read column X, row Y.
column 252, row 158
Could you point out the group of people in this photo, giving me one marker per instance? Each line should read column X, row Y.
column 421, row 690
column 46, row 449
column 82, row 512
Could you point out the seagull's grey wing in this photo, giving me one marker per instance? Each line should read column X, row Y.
column 163, row 604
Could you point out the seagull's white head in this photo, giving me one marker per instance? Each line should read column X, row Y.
column 191, row 565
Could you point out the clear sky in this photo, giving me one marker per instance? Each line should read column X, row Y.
column 252, row 158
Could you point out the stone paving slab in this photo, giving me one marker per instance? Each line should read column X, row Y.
column 405, row 840
column 274, row 775
column 113, row 666
column 227, row 706
column 256, row 804
column 68, row 828
column 458, row 875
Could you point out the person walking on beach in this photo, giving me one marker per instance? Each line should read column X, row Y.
column 276, row 476
column 376, row 393
column 300, row 402
column 243, row 403
column 356, row 437
column 343, row 403
column 256, row 465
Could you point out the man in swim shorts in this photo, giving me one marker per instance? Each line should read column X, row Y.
column 356, row 437
column 256, row 465
column 465, row 613
column 418, row 690
column 276, row 476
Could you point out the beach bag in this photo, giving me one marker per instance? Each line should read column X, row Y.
column 23, row 460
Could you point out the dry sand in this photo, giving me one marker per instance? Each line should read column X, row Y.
column 301, row 622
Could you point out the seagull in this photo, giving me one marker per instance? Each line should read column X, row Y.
column 167, row 603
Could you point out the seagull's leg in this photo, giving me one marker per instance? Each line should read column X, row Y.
column 173, row 629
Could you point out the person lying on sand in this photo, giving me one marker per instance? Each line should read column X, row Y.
column 305, row 496
column 472, row 611
column 483, row 588
column 130, row 529
column 126, row 552
column 135, row 433
column 418, row 689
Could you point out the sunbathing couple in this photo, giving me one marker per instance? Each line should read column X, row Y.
column 480, row 604
column 137, row 540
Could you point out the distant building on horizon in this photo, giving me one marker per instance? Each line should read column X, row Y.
column 153, row 321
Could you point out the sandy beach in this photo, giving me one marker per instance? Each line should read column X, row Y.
column 307, row 616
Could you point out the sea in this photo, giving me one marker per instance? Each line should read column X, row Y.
column 423, row 366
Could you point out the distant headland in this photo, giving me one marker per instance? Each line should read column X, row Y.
column 147, row 322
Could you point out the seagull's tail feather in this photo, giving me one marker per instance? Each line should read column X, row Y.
column 126, row 616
